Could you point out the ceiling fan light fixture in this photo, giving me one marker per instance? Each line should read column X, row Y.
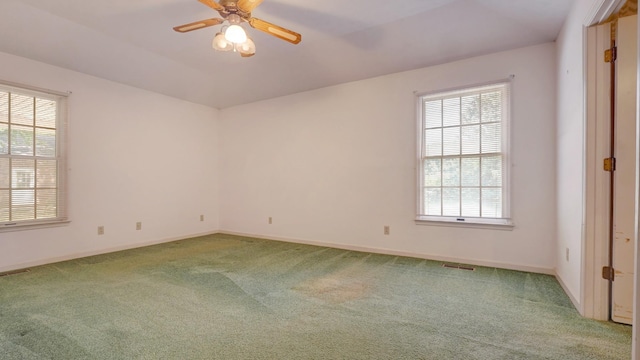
column 220, row 43
column 233, row 37
column 235, row 34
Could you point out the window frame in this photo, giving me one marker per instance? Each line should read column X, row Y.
column 502, row 223
column 62, row 210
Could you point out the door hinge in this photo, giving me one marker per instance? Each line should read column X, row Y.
column 608, row 273
column 609, row 164
column 611, row 55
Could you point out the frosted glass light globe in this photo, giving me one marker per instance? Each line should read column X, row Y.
column 235, row 34
column 220, row 43
column 248, row 48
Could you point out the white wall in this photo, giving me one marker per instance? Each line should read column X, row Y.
column 570, row 140
column 335, row 165
column 133, row 156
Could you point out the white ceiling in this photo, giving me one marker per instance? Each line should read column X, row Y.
column 132, row 41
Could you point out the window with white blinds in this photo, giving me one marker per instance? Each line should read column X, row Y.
column 464, row 155
column 32, row 176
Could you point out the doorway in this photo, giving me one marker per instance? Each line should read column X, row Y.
column 611, row 130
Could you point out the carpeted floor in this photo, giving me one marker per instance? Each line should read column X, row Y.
column 228, row 297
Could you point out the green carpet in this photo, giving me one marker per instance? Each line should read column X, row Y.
column 228, row 297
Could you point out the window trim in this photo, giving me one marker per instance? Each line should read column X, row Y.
column 503, row 223
column 61, row 99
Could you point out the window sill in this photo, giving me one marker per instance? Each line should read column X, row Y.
column 495, row 224
column 33, row 226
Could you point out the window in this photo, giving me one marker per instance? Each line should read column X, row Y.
column 464, row 156
column 32, row 176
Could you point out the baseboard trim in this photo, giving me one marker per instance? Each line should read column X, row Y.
column 374, row 250
column 573, row 299
column 58, row 259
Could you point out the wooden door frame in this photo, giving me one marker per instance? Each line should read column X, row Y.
column 593, row 296
column 595, row 301
column 594, row 290
column 636, row 289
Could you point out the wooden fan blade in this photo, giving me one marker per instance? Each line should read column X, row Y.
column 212, row 4
column 275, row 30
column 197, row 25
column 248, row 5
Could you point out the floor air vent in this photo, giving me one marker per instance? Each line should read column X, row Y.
column 16, row 272
column 460, row 267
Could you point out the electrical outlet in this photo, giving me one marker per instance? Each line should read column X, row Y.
column 387, row 230
column 567, row 253
column 139, row 225
column 201, row 217
column 100, row 230
column 270, row 220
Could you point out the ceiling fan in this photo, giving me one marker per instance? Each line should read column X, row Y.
column 233, row 37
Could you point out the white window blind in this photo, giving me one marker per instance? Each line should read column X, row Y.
column 464, row 155
column 32, row 176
